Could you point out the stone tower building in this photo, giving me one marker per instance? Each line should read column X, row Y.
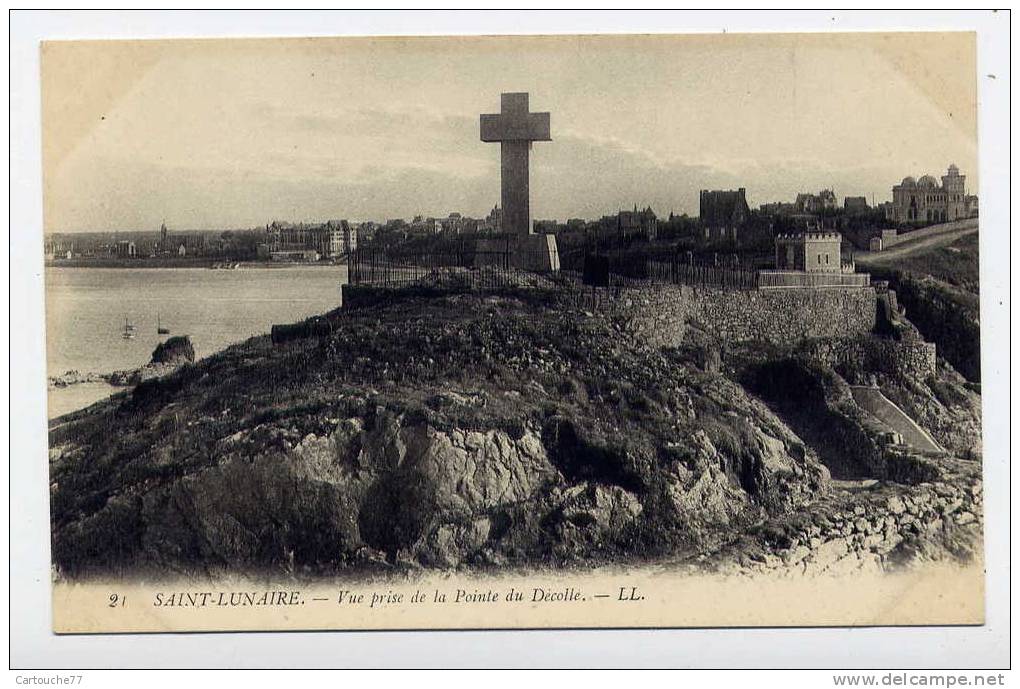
column 811, row 252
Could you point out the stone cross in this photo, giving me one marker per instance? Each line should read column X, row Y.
column 515, row 128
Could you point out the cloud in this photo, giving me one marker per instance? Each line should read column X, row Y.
column 362, row 163
column 234, row 133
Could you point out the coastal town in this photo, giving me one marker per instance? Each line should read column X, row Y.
column 724, row 222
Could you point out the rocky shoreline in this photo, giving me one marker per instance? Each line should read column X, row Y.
column 122, row 378
column 166, row 358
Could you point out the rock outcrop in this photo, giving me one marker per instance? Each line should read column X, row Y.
column 75, row 377
column 176, row 350
column 499, row 444
column 945, row 314
column 878, row 526
column 166, row 358
column 468, row 431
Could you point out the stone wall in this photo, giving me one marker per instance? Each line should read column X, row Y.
column 838, row 322
column 659, row 314
column 910, row 359
column 947, row 316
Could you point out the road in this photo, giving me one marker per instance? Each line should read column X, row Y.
column 866, row 258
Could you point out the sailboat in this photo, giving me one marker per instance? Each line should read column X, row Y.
column 129, row 330
column 160, row 330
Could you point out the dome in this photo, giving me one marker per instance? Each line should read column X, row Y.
column 927, row 182
column 908, row 182
column 953, row 170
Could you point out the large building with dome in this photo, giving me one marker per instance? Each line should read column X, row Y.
column 926, row 200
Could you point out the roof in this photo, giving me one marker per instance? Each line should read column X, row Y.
column 723, row 207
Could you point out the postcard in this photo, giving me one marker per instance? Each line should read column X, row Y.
column 502, row 332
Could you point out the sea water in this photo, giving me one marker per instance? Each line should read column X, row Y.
column 86, row 311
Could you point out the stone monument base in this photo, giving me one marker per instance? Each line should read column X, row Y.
column 535, row 252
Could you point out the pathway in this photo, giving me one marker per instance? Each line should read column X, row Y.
column 866, row 258
column 878, row 405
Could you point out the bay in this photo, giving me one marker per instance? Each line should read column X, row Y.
column 86, row 310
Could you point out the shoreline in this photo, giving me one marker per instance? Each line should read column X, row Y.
column 75, row 384
column 111, row 383
column 63, row 403
column 124, row 378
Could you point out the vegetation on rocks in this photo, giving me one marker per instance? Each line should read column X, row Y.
column 465, row 430
column 176, row 349
column 459, row 430
column 939, row 290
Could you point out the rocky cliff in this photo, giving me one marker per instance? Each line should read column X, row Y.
column 939, row 289
column 459, row 430
column 947, row 315
column 447, row 431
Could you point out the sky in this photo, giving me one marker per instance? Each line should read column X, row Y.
column 232, row 133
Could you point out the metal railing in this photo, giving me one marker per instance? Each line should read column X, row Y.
column 679, row 272
column 468, row 269
column 779, row 279
column 485, row 269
